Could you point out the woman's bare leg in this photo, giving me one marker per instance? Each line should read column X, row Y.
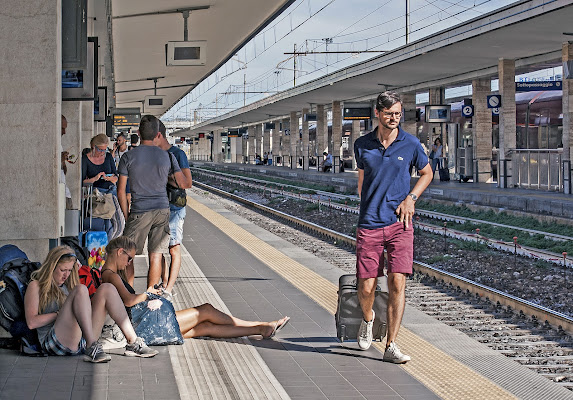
column 75, row 318
column 206, row 320
column 107, row 301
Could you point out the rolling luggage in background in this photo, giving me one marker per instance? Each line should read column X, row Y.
column 443, row 171
column 94, row 241
column 349, row 314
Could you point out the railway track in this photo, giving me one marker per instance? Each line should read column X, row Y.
column 532, row 335
column 325, row 199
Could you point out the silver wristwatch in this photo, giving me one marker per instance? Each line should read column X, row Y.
column 413, row 196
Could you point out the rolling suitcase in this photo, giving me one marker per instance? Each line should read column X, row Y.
column 349, row 314
column 443, row 171
column 94, row 241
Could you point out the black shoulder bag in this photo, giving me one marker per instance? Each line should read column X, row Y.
column 176, row 195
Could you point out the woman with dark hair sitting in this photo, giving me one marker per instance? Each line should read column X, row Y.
column 203, row 320
column 67, row 321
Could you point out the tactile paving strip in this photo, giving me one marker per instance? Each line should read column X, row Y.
column 216, row 369
column 442, row 374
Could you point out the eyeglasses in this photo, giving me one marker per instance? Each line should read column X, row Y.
column 129, row 258
column 396, row 114
column 100, row 150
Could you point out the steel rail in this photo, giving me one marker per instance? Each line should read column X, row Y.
column 528, row 308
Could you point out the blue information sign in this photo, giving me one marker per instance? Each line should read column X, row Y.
column 494, row 101
column 538, row 86
column 468, row 111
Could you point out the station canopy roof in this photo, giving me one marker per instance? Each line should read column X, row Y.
column 532, row 32
column 141, row 29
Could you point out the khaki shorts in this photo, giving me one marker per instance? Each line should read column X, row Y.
column 152, row 225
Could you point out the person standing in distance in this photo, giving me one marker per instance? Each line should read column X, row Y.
column 148, row 168
column 384, row 158
column 176, row 216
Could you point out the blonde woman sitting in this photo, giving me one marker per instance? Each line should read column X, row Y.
column 67, row 321
column 203, row 320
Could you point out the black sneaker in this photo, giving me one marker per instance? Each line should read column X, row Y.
column 95, row 353
column 139, row 349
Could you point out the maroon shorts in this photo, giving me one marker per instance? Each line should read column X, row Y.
column 370, row 245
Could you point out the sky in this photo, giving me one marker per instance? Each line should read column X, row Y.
column 349, row 26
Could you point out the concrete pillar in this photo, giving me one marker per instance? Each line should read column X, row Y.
column 236, row 149
column 567, row 139
column 218, row 155
column 33, row 201
column 321, row 130
column 507, row 128
column 481, row 122
column 258, row 139
column 251, row 144
column 354, row 134
column 88, row 123
column 276, row 140
column 72, row 143
column 244, row 149
column 409, row 110
column 266, row 140
column 294, row 124
column 336, row 131
column 305, row 140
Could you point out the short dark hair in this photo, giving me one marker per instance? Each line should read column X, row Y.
column 134, row 138
column 162, row 129
column 148, row 127
column 387, row 100
column 121, row 134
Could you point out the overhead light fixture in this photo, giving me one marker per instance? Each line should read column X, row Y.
column 186, row 52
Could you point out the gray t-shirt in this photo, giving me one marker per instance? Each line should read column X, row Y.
column 147, row 168
column 50, row 308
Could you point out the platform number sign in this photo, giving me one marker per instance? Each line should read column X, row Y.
column 494, row 101
column 468, row 111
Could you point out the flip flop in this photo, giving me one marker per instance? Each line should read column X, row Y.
column 278, row 327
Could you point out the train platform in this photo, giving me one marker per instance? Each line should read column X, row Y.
column 242, row 269
column 548, row 204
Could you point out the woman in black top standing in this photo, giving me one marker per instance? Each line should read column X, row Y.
column 98, row 166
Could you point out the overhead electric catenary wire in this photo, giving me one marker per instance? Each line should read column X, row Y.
column 269, row 73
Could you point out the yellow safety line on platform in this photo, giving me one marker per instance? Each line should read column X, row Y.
column 439, row 372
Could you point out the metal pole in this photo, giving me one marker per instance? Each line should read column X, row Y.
column 407, row 21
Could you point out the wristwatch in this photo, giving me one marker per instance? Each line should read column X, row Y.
column 413, row 196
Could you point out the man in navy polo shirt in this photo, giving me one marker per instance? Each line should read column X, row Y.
column 384, row 158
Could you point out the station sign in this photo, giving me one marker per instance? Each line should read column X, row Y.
column 468, row 111
column 538, row 86
column 126, row 119
column 494, row 101
column 233, row 133
column 356, row 113
column 269, row 126
column 309, row 117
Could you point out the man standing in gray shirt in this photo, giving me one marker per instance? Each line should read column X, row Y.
column 148, row 168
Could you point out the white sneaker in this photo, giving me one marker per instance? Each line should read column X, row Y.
column 394, row 355
column 365, row 333
column 112, row 338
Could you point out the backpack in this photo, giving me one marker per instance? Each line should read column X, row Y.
column 90, row 277
column 15, row 273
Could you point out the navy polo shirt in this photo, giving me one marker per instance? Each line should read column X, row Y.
column 386, row 175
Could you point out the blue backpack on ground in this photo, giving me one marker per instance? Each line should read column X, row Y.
column 15, row 273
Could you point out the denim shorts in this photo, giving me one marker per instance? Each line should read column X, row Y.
column 176, row 219
column 53, row 347
column 370, row 244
